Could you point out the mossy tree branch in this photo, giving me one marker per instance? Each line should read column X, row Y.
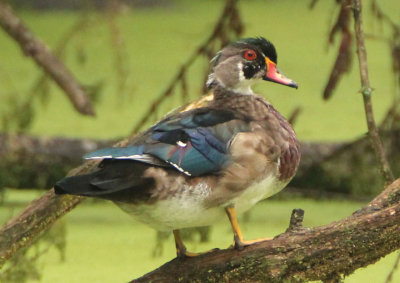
column 300, row 254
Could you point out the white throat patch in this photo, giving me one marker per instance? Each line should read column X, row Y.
column 244, row 85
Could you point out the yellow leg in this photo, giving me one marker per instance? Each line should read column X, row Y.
column 239, row 242
column 181, row 248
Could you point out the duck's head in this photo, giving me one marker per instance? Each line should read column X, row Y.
column 241, row 63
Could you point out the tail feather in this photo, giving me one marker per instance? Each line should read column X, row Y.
column 120, row 180
column 76, row 185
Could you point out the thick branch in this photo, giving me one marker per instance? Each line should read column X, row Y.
column 320, row 253
column 366, row 91
column 45, row 59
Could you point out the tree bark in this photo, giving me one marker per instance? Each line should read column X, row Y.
column 300, row 254
column 45, row 59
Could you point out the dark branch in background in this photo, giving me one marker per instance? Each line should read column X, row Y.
column 228, row 22
column 294, row 115
column 313, row 3
column 37, row 162
column 366, row 91
column 45, row 59
column 300, row 254
column 344, row 57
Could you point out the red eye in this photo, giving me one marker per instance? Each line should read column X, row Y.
column 250, row 55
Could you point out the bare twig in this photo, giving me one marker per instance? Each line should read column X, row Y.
column 313, row 3
column 380, row 15
column 344, row 56
column 45, row 59
column 294, row 115
column 366, row 91
column 229, row 21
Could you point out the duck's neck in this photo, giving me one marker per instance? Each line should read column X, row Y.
column 248, row 105
column 242, row 87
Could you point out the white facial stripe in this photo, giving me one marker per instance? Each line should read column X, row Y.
column 244, row 85
column 241, row 74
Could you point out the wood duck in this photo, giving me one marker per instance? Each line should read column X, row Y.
column 220, row 154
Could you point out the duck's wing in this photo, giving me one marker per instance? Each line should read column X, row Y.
column 195, row 142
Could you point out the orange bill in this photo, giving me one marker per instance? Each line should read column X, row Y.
column 274, row 75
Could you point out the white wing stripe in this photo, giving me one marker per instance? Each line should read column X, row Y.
column 99, row 157
column 179, row 168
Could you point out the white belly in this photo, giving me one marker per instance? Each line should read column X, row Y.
column 259, row 191
column 189, row 211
